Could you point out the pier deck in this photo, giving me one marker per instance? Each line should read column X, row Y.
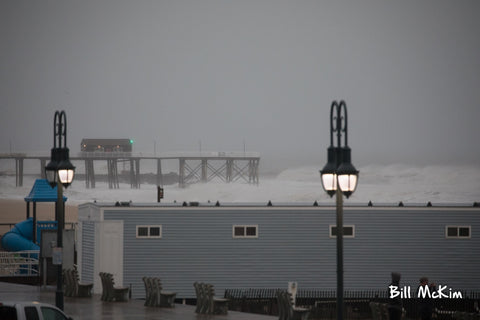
column 193, row 167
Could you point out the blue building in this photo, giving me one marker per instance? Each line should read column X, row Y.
column 253, row 246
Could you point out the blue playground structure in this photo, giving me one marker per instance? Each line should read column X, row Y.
column 26, row 235
column 20, row 238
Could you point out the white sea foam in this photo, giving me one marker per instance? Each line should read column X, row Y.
column 379, row 184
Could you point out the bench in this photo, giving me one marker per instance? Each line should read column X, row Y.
column 286, row 308
column 73, row 287
column 109, row 291
column 459, row 315
column 380, row 311
column 155, row 296
column 207, row 303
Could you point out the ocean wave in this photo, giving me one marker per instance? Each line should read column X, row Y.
column 377, row 183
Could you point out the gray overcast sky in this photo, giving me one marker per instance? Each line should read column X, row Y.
column 261, row 71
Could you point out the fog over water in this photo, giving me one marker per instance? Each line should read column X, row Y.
column 260, row 76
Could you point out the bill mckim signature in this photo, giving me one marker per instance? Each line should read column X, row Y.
column 424, row 292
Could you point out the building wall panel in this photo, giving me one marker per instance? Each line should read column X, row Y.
column 87, row 251
column 293, row 244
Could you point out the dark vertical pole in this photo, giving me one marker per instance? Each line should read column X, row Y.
column 113, row 165
column 60, row 223
column 19, row 172
column 89, row 174
column 115, row 168
column 181, row 173
column 257, row 164
column 34, row 222
column 109, row 174
column 42, row 167
column 338, row 124
column 92, row 174
column 339, row 201
column 137, row 165
column 87, row 177
column 339, row 198
column 229, row 173
column 250, row 171
column 204, row 170
column 159, row 173
column 133, row 180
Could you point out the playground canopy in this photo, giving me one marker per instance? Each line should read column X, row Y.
column 41, row 192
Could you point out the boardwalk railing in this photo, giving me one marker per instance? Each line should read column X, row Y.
column 20, row 263
column 323, row 303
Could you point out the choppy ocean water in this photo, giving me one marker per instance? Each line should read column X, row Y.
column 382, row 184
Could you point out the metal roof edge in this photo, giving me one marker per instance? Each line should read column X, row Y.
column 212, row 204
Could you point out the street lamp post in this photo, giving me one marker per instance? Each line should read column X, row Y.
column 339, row 177
column 59, row 172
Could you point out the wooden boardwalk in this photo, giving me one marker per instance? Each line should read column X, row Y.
column 94, row 308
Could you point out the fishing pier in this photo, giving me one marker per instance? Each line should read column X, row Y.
column 193, row 167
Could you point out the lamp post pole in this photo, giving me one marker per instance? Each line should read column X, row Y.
column 60, row 208
column 339, row 177
column 339, row 209
column 59, row 172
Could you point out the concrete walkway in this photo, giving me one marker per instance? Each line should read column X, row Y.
column 94, row 308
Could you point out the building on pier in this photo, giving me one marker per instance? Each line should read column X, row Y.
column 106, row 145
